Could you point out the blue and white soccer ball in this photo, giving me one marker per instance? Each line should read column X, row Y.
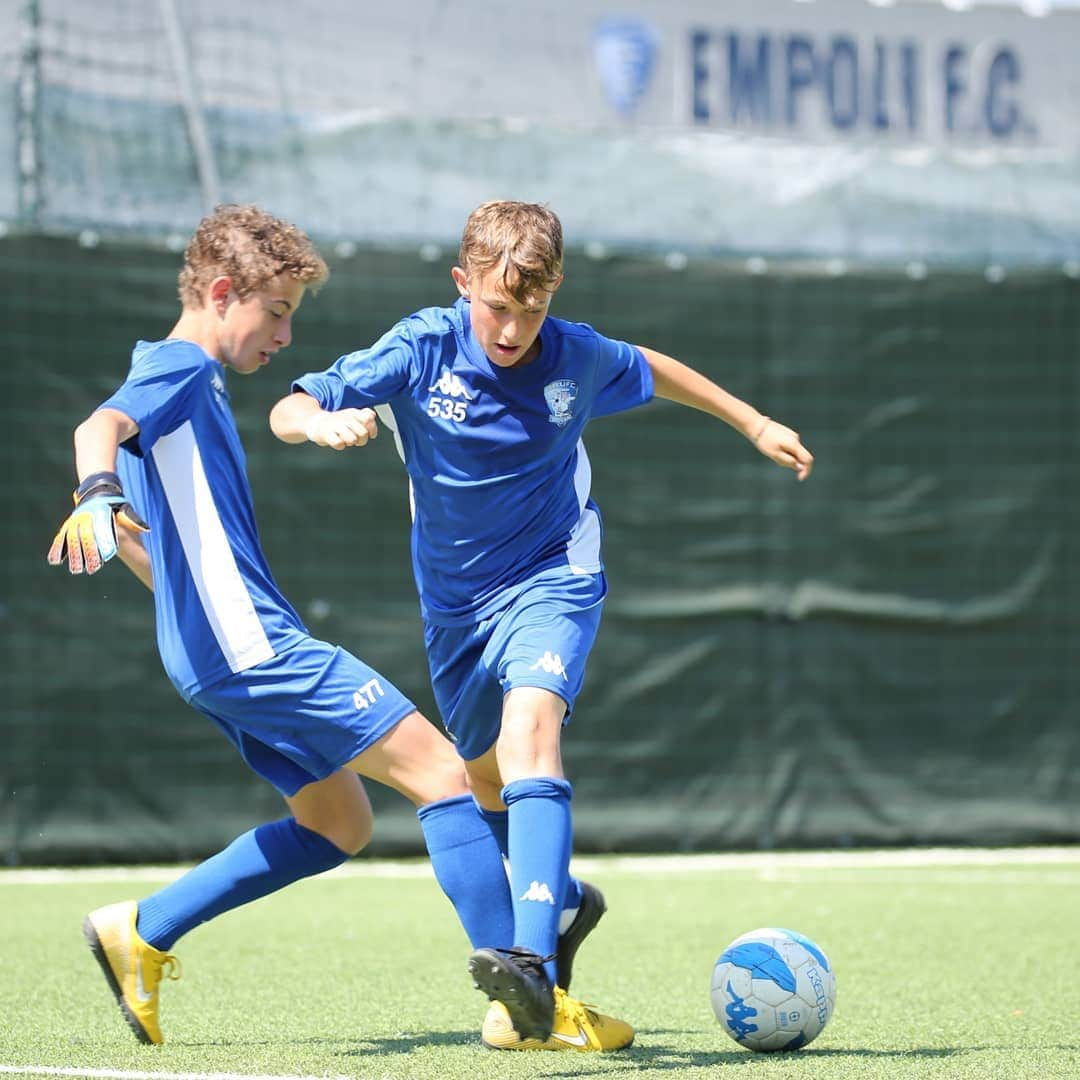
column 773, row 989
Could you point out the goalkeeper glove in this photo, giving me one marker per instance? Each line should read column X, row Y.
column 88, row 537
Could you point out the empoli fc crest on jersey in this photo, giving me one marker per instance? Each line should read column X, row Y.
column 560, row 397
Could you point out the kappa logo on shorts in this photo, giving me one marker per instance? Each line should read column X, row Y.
column 552, row 664
column 365, row 697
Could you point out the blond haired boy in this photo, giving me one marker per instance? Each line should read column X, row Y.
column 489, row 400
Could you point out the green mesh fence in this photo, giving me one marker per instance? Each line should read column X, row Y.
column 885, row 654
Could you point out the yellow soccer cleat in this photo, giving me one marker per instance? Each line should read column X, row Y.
column 577, row 1027
column 133, row 968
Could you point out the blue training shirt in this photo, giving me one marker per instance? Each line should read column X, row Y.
column 218, row 609
column 499, row 475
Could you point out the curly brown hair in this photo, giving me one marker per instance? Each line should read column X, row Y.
column 252, row 248
column 524, row 239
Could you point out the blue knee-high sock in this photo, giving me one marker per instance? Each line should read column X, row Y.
column 499, row 823
column 255, row 864
column 539, row 832
column 469, row 869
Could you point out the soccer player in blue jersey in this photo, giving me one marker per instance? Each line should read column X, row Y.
column 488, row 401
column 308, row 717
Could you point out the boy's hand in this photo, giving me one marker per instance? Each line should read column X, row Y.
column 782, row 445
column 88, row 536
column 341, row 429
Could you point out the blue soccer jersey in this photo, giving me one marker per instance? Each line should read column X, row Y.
column 218, row 608
column 499, row 475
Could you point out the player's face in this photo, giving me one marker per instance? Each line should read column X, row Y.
column 507, row 329
column 257, row 326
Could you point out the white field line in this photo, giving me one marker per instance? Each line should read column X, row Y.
column 774, row 862
column 125, row 1074
column 1041, row 878
column 846, row 859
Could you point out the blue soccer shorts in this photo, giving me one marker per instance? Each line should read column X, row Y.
column 542, row 638
column 305, row 713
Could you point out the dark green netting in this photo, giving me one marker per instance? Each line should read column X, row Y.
column 886, row 654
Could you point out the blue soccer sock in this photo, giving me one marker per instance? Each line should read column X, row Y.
column 469, row 869
column 255, row 864
column 540, row 839
column 499, row 823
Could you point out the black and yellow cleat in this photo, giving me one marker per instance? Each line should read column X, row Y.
column 516, row 977
column 132, row 968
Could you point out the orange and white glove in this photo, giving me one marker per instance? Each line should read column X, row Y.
column 88, row 537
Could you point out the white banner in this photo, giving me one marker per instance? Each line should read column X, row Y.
column 906, row 73
column 840, row 128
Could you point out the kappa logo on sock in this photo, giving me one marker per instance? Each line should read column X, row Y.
column 540, row 892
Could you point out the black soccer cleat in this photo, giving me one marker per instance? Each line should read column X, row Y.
column 588, row 915
column 516, row 978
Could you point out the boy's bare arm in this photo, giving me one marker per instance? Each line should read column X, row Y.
column 291, row 416
column 134, row 556
column 97, row 440
column 675, row 381
column 89, row 537
column 299, row 418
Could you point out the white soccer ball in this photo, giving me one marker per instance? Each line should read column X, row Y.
column 773, row 989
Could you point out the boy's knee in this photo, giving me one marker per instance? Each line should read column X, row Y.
column 447, row 779
column 350, row 832
column 486, row 792
column 352, row 835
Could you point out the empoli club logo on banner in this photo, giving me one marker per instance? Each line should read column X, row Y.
column 625, row 53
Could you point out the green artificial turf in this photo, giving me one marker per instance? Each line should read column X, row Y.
column 943, row 971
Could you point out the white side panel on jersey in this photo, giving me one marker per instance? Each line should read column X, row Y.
column 583, row 550
column 225, row 599
column 386, row 415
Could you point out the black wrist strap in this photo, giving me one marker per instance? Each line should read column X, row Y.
column 98, row 483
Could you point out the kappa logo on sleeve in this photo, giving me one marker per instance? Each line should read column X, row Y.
column 217, row 384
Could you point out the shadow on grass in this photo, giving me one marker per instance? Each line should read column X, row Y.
column 402, row 1044
column 648, row 1051
column 356, row 1046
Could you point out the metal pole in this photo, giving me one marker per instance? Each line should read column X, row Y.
column 200, row 138
column 28, row 117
